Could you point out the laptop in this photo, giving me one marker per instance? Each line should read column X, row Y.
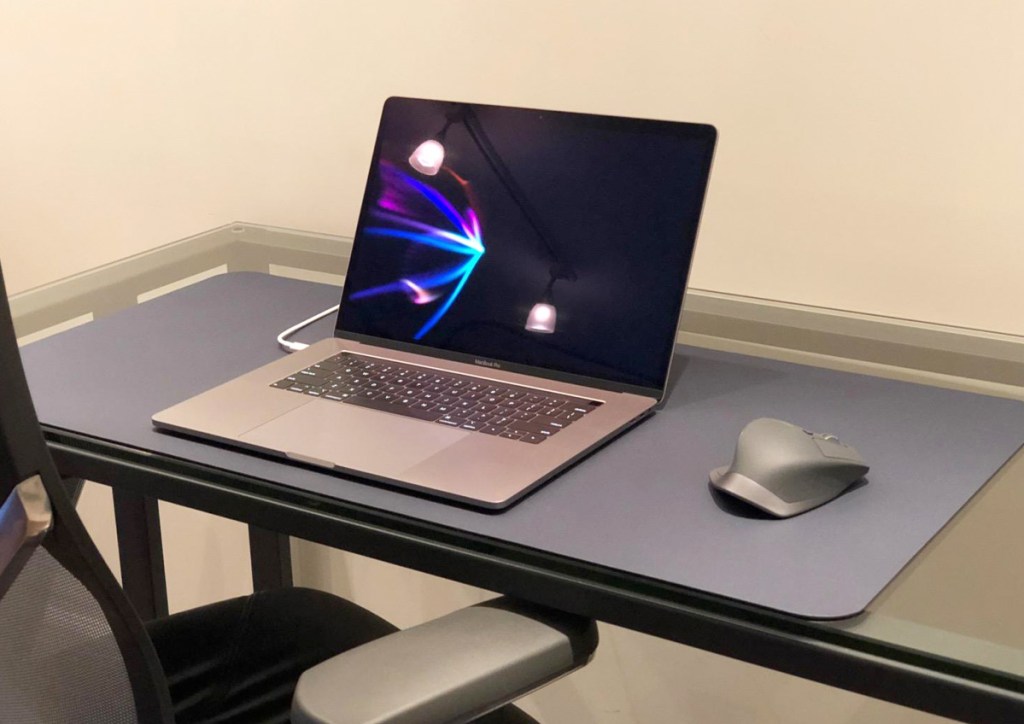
column 511, row 304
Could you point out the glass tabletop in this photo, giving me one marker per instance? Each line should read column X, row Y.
column 952, row 615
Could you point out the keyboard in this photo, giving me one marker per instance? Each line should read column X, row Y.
column 469, row 403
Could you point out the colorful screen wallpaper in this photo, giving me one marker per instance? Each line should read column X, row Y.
column 552, row 240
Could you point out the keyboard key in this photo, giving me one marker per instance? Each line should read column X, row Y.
column 471, row 404
column 328, row 364
column 542, row 427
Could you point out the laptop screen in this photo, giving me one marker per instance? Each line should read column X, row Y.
column 546, row 242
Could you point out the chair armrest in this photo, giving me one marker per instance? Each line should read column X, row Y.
column 25, row 518
column 452, row 669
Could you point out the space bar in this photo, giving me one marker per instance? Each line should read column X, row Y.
column 397, row 409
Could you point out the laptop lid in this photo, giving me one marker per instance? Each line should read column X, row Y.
column 549, row 243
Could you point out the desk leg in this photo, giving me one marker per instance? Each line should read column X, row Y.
column 140, row 549
column 271, row 557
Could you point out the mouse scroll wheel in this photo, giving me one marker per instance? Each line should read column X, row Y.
column 830, row 437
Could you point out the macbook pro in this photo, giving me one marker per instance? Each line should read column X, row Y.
column 511, row 304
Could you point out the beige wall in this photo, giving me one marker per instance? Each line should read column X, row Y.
column 871, row 153
column 871, row 159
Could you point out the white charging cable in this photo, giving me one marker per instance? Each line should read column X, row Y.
column 297, row 346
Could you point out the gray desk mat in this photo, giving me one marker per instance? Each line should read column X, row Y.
column 640, row 505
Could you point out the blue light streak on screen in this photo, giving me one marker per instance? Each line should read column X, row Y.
column 465, row 240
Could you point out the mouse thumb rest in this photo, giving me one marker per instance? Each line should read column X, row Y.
column 741, row 487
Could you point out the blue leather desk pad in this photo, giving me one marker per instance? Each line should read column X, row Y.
column 640, row 505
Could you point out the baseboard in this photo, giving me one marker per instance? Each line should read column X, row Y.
column 952, row 356
column 949, row 356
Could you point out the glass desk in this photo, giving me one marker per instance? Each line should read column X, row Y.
column 945, row 636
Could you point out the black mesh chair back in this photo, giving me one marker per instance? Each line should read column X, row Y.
column 72, row 648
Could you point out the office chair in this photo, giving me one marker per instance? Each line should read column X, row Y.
column 72, row 648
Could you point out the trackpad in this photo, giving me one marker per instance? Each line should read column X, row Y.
column 362, row 440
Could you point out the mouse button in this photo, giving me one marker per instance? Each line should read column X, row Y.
column 836, row 450
column 772, row 442
column 769, row 426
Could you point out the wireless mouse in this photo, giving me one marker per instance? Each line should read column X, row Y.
column 785, row 470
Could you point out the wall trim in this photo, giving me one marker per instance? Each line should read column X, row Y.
column 978, row 360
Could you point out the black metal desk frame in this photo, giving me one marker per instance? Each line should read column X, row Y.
column 689, row 617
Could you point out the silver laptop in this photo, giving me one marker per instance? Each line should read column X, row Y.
column 510, row 305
